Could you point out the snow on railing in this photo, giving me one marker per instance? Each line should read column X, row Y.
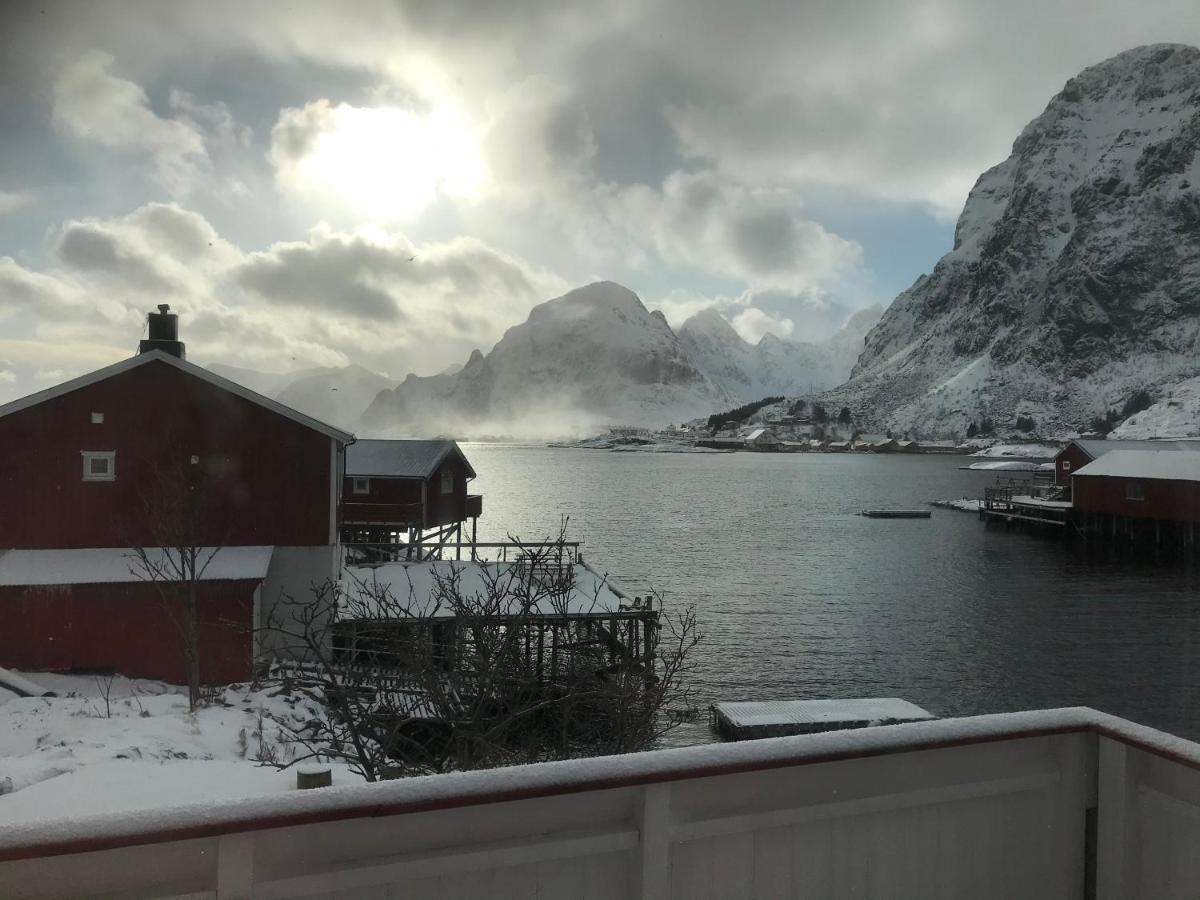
column 989, row 806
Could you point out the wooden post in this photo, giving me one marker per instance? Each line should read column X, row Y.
column 541, row 650
column 554, row 652
column 654, row 862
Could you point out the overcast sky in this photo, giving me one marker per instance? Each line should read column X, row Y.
column 394, row 184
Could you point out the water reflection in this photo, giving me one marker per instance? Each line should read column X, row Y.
column 799, row 596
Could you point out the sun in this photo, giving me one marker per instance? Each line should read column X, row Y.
column 391, row 163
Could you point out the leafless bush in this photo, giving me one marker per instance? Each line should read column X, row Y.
column 485, row 665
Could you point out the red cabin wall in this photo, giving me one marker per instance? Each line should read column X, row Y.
column 1177, row 501
column 445, row 509
column 269, row 476
column 1074, row 455
column 126, row 628
column 441, row 509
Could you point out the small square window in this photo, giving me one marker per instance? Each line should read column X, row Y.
column 99, row 465
column 1066, row 465
column 97, row 418
column 362, row 485
column 447, row 482
column 1134, row 491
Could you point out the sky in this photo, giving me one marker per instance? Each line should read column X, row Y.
column 393, row 184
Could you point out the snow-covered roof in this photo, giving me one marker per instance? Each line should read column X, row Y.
column 412, row 584
column 183, row 365
column 821, row 712
column 400, row 459
column 1167, row 465
column 1098, row 448
column 116, row 565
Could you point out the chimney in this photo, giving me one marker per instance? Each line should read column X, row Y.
column 164, row 333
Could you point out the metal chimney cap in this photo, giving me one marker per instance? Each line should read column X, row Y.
column 164, row 308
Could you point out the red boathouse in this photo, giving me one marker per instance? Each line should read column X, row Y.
column 89, row 470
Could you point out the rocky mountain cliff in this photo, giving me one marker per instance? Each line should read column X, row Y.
column 596, row 356
column 591, row 357
column 1074, row 279
column 773, row 365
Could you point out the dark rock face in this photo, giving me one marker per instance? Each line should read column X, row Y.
column 1075, row 274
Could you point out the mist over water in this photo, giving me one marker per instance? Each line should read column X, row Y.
column 801, row 597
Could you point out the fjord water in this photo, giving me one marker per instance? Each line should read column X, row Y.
column 800, row 597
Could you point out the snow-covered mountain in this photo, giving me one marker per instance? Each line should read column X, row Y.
column 1074, row 279
column 592, row 357
column 336, row 395
column 774, row 365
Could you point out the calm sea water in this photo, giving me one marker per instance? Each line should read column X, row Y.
column 800, row 597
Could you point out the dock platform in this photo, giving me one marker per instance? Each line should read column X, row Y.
column 896, row 513
column 779, row 718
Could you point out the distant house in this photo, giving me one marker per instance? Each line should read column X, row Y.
column 1078, row 453
column 413, row 488
column 838, row 446
column 1163, row 485
column 762, row 439
column 907, row 447
column 85, row 470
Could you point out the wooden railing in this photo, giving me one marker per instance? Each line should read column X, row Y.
column 1053, row 804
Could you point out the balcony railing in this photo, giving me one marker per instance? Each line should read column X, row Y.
column 381, row 513
column 1052, row 804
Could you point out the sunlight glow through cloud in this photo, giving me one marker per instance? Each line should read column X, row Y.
column 385, row 163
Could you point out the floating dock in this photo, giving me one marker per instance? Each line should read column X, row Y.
column 896, row 513
column 779, row 718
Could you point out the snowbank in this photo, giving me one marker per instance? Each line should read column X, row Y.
column 138, row 747
column 1018, row 451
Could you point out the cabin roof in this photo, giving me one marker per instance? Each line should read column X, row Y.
column 183, row 365
column 119, row 565
column 400, row 459
column 1166, row 465
column 412, row 585
column 1098, row 448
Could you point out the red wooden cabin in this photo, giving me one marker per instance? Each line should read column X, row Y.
column 95, row 466
column 411, row 492
column 1160, row 485
column 1079, row 453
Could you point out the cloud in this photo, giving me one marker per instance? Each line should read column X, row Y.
column 11, row 201
column 757, row 235
column 752, row 324
column 371, row 296
column 384, row 163
column 93, row 104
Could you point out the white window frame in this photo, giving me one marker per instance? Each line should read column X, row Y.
column 447, row 481
column 110, row 456
column 97, row 418
column 360, row 486
column 1135, row 490
column 1066, row 464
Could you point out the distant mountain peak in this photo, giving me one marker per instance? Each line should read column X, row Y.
column 711, row 323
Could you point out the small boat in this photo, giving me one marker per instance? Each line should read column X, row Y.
column 897, row 513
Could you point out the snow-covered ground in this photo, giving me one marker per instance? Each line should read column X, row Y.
column 965, row 504
column 1018, row 451
column 79, row 753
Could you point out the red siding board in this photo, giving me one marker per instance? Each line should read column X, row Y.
column 127, row 628
column 1073, row 455
column 1176, row 501
column 272, row 487
column 441, row 509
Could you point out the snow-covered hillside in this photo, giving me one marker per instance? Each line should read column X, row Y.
column 774, row 365
column 336, row 395
column 1074, row 280
column 592, row 357
column 595, row 357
